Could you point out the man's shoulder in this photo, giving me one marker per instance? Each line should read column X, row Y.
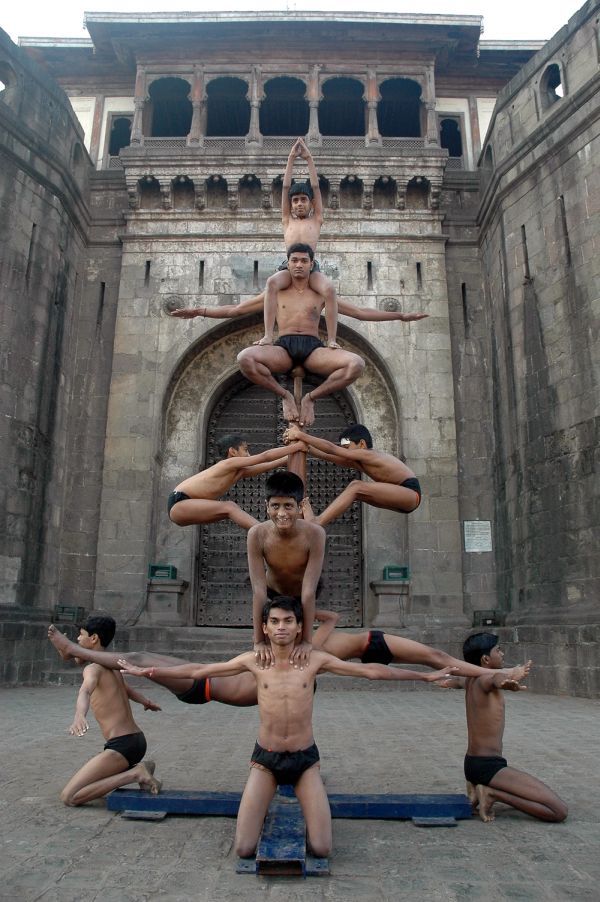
column 310, row 528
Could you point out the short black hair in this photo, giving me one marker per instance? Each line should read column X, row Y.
column 357, row 432
column 301, row 188
column 101, row 626
column 233, row 440
column 286, row 603
column 477, row 645
column 300, row 248
column 283, row 484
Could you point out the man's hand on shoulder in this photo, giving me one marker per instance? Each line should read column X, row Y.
column 263, row 655
column 300, row 655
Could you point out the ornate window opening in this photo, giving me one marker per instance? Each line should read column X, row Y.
column 450, row 136
column 149, row 193
column 284, row 110
column 120, row 134
column 551, row 87
column 384, row 193
column 351, row 193
column 342, row 109
column 417, row 194
column 399, row 110
column 249, row 192
column 228, row 109
column 171, row 108
column 216, row 192
column 182, row 192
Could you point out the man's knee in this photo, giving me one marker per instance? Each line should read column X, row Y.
column 320, row 846
column 357, row 365
column 246, row 359
column 67, row 799
column 560, row 811
column 244, row 849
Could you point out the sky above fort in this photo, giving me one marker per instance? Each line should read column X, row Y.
column 510, row 20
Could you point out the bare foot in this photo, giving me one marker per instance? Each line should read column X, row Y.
column 60, row 642
column 150, row 765
column 147, row 781
column 290, row 411
column 484, row 797
column 307, row 410
column 472, row 795
column 307, row 511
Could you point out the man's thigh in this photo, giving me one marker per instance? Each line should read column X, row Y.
column 325, row 361
column 274, row 358
column 312, row 796
column 106, row 764
column 256, row 798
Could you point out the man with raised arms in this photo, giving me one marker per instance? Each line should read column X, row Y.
column 285, row 752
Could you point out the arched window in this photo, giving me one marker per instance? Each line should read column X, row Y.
column 182, row 189
column 216, row 192
column 399, row 110
column 450, row 137
column 324, row 186
column 351, row 193
column 276, row 192
column 249, row 193
column 120, row 135
column 171, row 108
column 384, row 193
column 551, row 88
column 342, row 109
column 417, row 194
column 228, row 110
column 284, row 111
column 149, row 190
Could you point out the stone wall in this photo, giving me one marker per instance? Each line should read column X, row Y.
column 539, row 223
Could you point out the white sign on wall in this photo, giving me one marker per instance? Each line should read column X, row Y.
column 478, row 535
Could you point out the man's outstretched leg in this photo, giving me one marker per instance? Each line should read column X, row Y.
column 522, row 791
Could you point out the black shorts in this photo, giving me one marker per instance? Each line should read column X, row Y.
column 197, row 694
column 174, row 498
column 132, row 746
column 413, row 483
column 314, row 268
column 299, row 347
column 480, row 769
column 377, row 651
column 286, row 767
column 273, row 593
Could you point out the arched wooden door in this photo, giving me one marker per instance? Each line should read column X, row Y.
column 223, row 591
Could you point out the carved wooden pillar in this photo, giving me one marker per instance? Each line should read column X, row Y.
column 232, row 193
column 401, row 195
column 314, row 135
column 196, row 135
column 367, row 201
column 431, row 132
column 199, row 194
column 254, row 136
column 165, row 193
column 267, row 194
column 334, row 193
column 139, row 101
column 372, row 136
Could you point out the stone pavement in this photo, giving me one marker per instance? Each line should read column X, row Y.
column 370, row 742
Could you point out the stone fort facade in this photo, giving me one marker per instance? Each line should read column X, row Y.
column 141, row 171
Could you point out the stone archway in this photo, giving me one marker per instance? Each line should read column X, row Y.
column 205, row 379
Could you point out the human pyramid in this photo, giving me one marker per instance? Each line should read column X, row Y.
column 285, row 560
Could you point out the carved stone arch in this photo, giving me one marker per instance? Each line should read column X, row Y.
column 202, row 392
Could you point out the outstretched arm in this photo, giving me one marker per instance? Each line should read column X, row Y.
column 510, row 681
column 310, row 581
column 266, row 460
column 347, row 456
column 240, row 664
column 287, row 181
column 136, row 696
column 314, row 180
column 368, row 314
column 227, row 311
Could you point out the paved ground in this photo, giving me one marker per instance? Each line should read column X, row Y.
column 369, row 741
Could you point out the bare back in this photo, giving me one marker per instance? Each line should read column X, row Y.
column 213, row 482
column 485, row 718
column 298, row 312
column 110, row 703
column 382, row 467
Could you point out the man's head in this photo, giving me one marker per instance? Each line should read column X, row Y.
column 355, row 435
column 282, row 619
column 300, row 260
column 284, row 492
column 483, row 650
column 301, row 199
column 233, row 445
column 97, row 631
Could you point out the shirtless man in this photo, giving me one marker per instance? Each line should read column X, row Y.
column 298, row 312
column 196, row 500
column 489, row 778
column 394, row 485
column 108, row 695
column 285, row 557
column 370, row 647
column 302, row 218
column 285, row 752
